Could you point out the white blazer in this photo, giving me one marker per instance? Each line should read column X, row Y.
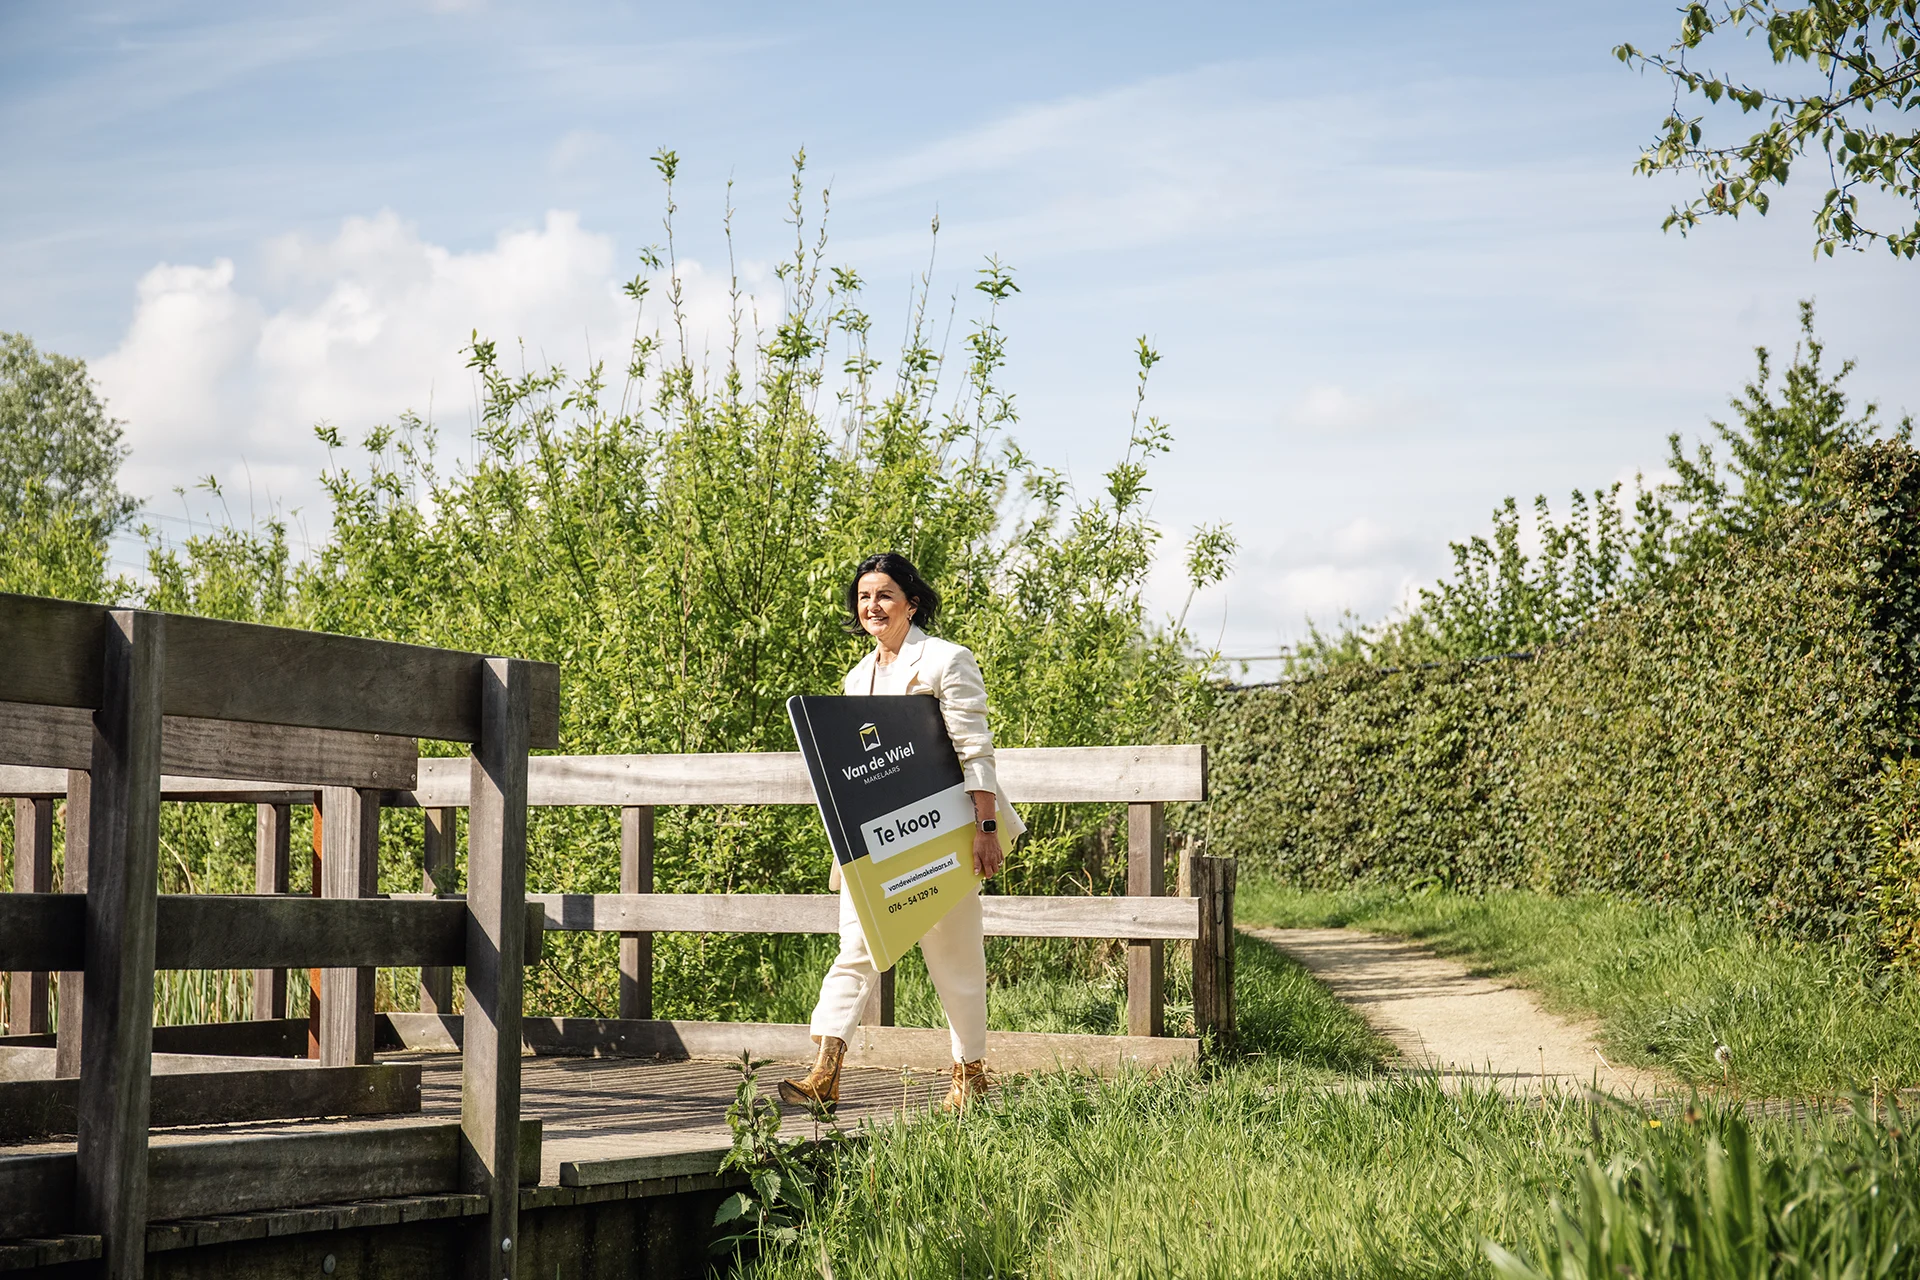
column 947, row 671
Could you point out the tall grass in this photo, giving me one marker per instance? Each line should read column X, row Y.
column 1668, row 986
column 1228, row 1175
column 1833, row 1200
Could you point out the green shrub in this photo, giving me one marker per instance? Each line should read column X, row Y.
column 1734, row 737
column 1403, row 777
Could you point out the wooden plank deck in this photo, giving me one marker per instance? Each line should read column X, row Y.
column 610, row 1126
column 597, row 1110
column 632, row 1120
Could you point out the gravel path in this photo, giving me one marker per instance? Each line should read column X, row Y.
column 1442, row 1018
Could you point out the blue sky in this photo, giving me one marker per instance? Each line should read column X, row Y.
column 1393, row 255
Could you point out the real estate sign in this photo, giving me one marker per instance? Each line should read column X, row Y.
column 897, row 813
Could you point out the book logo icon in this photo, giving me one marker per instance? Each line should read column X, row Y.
column 869, row 737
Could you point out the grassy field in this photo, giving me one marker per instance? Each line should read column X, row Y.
column 1668, row 986
column 1230, row 1173
column 1298, row 1158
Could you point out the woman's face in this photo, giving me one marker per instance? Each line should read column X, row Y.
column 884, row 610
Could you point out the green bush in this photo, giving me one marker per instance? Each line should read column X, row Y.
column 1734, row 737
column 1402, row 777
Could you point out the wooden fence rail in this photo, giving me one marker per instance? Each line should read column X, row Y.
column 101, row 705
column 1144, row 778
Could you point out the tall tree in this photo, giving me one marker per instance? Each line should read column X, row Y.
column 1775, row 450
column 58, row 447
column 1849, row 71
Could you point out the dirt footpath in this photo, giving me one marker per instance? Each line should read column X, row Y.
column 1444, row 1019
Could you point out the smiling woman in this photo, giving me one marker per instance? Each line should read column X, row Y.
column 889, row 601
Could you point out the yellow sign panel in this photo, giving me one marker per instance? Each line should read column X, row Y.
column 899, row 819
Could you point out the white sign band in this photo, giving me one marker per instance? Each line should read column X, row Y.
column 916, row 823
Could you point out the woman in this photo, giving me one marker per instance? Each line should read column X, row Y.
column 888, row 600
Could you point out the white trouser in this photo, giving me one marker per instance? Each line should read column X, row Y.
column 956, row 961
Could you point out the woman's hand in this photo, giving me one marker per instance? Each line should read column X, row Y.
column 988, row 857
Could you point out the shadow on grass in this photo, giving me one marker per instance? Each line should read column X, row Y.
column 1285, row 1013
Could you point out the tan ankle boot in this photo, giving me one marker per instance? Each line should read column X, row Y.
column 969, row 1082
column 821, row 1087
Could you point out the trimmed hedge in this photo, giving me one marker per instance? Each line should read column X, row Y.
column 1736, row 738
column 1403, row 777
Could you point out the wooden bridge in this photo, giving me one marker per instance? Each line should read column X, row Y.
column 485, row 1143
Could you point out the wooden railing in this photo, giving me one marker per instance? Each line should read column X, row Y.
column 1145, row 778
column 105, row 702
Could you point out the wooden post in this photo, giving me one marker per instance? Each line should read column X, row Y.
column 636, row 876
column 1214, row 883
column 438, row 865
column 879, row 1010
column 1146, row 878
column 315, row 879
column 496, row 952
column 32, row 873
column 272, row 847
column 349, row 867
column 123, row 870
column 73, row 879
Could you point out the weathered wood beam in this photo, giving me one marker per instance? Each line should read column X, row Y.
column 918, row 1047
column 1146, row 957
column 123, row 868
column 25, row 780
column 636, row 876
column 1030, row 775
column 72, row 982
column 229, row 1094
column 62, row 738
column 1004, row 915
column 496, row 940
column 1215, row 881
column 349, row 869
column 264, row 1038
column 219, row 670
column 1072, row 775
column 37, row 1063
column 272, row 857
column 27, row 1000
column 242, row 931
column 438, row 876
column 195, row 1178
column 36, row 1195
column 879, row 1010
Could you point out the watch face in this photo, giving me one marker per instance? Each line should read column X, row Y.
column 990, row 826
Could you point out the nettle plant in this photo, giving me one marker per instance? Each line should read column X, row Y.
column 675, row 535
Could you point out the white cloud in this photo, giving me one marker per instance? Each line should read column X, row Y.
column 225, row 375
column 1364, row 567
column 576, row 149
column 1328, row 406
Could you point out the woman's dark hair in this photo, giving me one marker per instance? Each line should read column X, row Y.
column 924, row 599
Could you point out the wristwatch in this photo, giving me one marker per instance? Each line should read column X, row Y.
column 989, row 826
